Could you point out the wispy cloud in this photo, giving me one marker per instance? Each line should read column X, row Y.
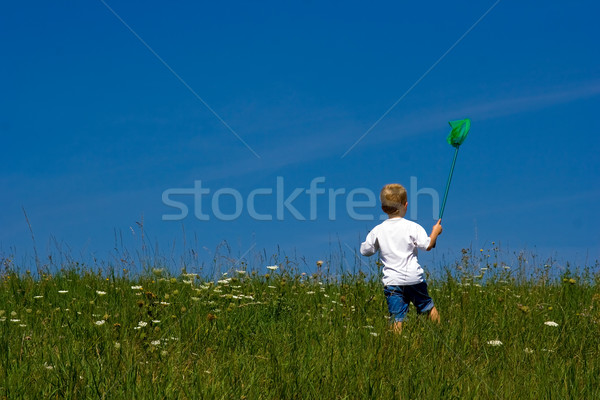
column 431, row 119
column 296, row 147
column 527, row 103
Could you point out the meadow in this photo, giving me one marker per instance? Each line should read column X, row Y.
column 270, row 331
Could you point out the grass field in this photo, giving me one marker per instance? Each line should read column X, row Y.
column 279, row 334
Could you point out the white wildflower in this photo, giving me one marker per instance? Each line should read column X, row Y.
column 373, row 333
column 142, row 324
column 136, row 288
column 63, row 291
column 241, row 272
column 528, row 350
column 551, row 323
column 272, row 267
column 100, row 293
column 101, row 322
column 155, row 342
column 38, row 297
column 494, row 343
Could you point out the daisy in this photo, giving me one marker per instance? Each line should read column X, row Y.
column 551, row 323
column 272, row 267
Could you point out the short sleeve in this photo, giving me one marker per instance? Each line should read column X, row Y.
column 370, row 245
column 421, row 240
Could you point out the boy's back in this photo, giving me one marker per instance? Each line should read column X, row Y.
column 398, row 241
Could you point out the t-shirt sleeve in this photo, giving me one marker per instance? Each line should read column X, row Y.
column 421, row 239
column 370, row 245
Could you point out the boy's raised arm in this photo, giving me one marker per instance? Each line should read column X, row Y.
column 435, row 232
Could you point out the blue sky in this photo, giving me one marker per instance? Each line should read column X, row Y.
column 95, row 127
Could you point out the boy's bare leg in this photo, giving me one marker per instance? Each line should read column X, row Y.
column 396, row 327
column 434, row 315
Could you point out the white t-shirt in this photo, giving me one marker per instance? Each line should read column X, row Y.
column 398, row 241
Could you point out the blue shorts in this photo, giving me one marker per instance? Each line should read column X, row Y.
column 399, row 297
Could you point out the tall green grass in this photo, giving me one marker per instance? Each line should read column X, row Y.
column 279, row 334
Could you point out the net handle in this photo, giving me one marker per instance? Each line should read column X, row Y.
column 448, row 183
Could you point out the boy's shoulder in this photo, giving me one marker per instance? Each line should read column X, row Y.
column 393, row 224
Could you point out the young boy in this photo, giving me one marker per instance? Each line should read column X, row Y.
column 398, row 240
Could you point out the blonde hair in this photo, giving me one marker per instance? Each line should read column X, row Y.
column 393, row 196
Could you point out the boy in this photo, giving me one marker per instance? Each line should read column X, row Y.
column 398, row 240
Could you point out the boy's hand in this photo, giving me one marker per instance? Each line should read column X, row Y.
column 435, row 232
column 437, row 228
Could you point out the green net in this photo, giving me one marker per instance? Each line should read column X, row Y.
column 460, row 130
